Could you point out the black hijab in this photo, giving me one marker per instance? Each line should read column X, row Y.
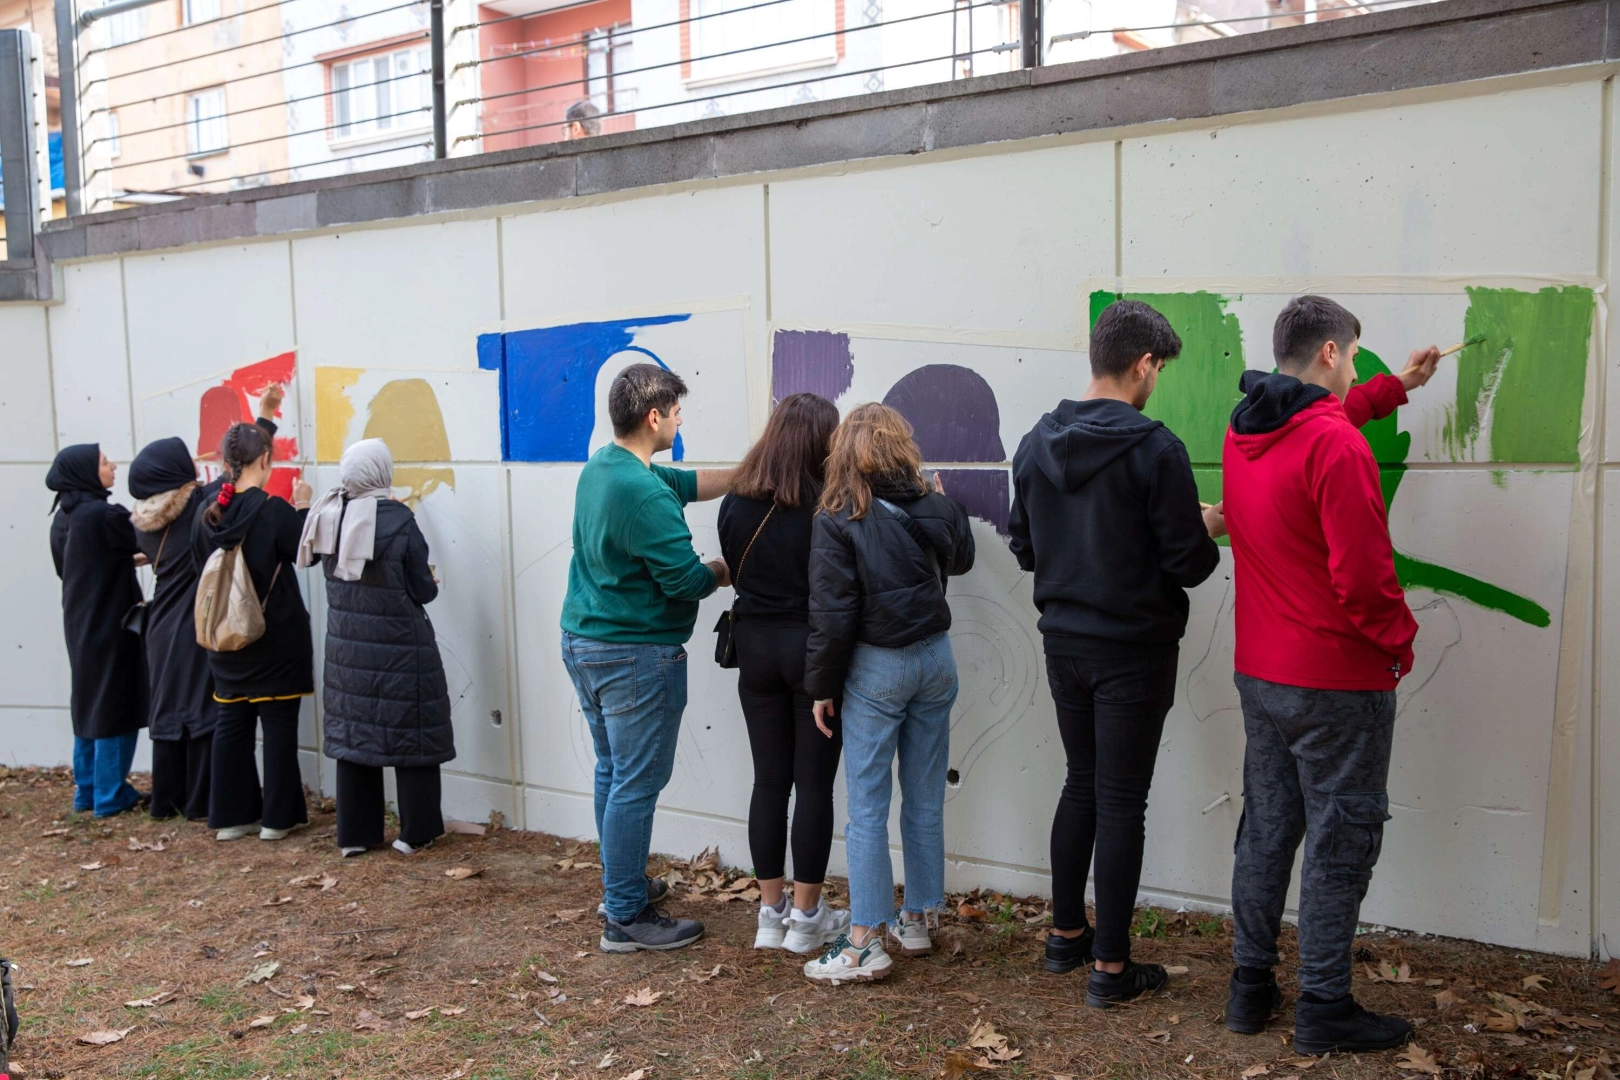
column 75, row 476
column 163, row 466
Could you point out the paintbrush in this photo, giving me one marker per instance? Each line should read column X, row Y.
column 1477, row 339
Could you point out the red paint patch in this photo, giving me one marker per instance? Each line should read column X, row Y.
column 220, row 407
column 229, row 403
column 281, row 483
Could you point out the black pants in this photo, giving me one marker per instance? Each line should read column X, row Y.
column 790, row 753
column 234, row 797
column 1110, row 714
column 180, row 777
column 360, row 805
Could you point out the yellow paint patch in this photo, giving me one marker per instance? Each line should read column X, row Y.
column 334, row 412
column 405, row 414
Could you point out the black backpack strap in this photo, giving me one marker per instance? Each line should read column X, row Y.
column 920, row 538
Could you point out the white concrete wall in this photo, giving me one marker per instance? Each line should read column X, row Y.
column 985, row 261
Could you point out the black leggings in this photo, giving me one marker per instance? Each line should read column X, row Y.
column 180, row 777
column 360, row 805
column 235, row 797
column 1110, row 714
column 789, row 752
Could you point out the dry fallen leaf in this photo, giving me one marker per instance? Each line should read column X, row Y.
column 1387, row 972
column 1176, row 969
column 1501, row 1021
column 639, row 1074
column 1306, row 1062
column 261, row 973
column 419, row 1014
column 465, row 828
column 455, row 1011
column 1156, row 1036
column 705, row 976
column 277, row 902
column 968, row 911
column 462, row 873
column 460, row 1072
column 1534, row 982
column 984, row 1036
column 304, row 1002
column 1418, row 1060
column 262, row 1022
column 54, row 832
column 643, row 997
column 150, row 1002
column 545, row 976
column 84, row 962
column 1445, row 999
column 103, row 1038
column 1256, row 1070
column 570, row 915
column 141, row 845
column 608, row 1060
column 88, row 867
column 958, row 1066
column 368, row 1021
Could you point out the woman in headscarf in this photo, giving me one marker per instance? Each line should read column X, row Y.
column 385, row 700
column 180, row 717
column 93, row 546
column 264, row 683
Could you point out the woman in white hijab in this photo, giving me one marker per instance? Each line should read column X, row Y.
column 386, row 703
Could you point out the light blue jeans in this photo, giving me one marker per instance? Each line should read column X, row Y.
column 100, row 774
column 632, row 697
column 897, row 701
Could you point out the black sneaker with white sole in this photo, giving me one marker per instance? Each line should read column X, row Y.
column 1344, row 1027
column 1104, row 990
column 657, row 890
column 652, row 930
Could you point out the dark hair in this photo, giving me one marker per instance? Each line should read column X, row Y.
column 639, row 389
column 788, row 463
column 1124, row 332
column 1305, row 325
column 242, row 445
column 584, row 113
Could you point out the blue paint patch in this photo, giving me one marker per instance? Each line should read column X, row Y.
column 548, row 384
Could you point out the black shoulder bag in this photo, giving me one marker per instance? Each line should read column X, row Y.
column 135, row 617
column 920, row 538
column 725, row 645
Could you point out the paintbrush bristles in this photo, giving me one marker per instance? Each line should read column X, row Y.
column 1477, row 339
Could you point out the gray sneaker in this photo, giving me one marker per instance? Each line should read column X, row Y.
column 657, row 889
column 652, row 929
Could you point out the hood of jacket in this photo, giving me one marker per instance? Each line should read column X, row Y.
column 896, row 487
column 1079, row 439
column 1274, row 405
column 238, row 519
column 159, row 511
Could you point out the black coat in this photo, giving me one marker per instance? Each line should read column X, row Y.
column 385, row 700
column 870, row 582
column 93, row 546
column 182, row 685
column 281, row 664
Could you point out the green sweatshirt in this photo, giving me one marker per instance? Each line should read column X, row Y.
column 634, row 578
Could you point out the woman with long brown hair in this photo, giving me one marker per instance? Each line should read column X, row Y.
column 883, row 546
column 765, row 525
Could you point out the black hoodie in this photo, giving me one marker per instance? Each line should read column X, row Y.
column 281, row 664
column 1105, row 512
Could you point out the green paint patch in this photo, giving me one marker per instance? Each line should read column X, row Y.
column 1417, row 574
column 1198, row 390
column 1522, row 377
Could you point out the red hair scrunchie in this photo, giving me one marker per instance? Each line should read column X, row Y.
column 227, row 491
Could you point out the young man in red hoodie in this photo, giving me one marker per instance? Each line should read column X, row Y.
column 1323, row 636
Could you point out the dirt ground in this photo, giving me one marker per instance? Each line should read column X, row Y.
column 388, row 967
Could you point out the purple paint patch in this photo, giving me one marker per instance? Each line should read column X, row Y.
column 983, row 493
column 810, row 361
column 953, row 411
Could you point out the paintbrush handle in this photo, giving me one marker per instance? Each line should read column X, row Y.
column 1455, row 348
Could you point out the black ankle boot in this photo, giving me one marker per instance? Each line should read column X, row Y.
column 1343, row 1027
column 1104, row 990
column 1064, row 954
column 1250, row 1005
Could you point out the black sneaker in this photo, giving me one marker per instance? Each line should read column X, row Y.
column 1105, row 990
column 1250, row 1005
column 653, row 930
column 1343, row 1027
column 657, row 889
column 8, row 1014
column 1064, row 954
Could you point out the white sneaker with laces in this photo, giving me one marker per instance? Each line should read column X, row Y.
column 843, row 961
column 910, row 936
column 269, row 834
column 236, row 832
column 772, row 926
column 807, row 933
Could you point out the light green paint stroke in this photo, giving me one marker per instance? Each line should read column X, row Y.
column 1199, row 389
column 1527, row 379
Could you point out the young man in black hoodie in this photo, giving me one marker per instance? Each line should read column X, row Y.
column 1106, row 513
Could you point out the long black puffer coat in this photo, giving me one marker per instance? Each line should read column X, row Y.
column 386, row 702
column 871, row 582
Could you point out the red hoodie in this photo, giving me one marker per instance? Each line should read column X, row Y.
column 1318, row 603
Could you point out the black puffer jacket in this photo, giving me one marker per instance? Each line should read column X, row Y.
column 385, row 700
column 870, row 582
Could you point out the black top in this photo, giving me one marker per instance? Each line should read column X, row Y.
column 871, row 582
column 385, row 702
column 775, row 580
column 1105, row 512
column 281, row 664
column 182, row 705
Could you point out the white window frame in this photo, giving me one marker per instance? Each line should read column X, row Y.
column 369, row 108
column 717, row 33
column 197, row 11
column 207, row 128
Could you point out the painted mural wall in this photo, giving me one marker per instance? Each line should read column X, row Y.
column 960, row 290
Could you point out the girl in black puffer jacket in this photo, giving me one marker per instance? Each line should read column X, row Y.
column 385, row 702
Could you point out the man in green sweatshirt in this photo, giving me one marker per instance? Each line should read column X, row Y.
column 633, row 589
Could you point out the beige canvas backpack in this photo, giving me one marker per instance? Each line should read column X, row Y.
column 228, row 612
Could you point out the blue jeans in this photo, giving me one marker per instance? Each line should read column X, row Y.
column 100, row 769
column 897, row 700
column 632, row 697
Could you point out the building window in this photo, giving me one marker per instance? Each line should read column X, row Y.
column 206, row 132
column 113, row 149
column 607, row 53
column 385, row 92
column 196, row 11
column 727, row 36
column 126, row 26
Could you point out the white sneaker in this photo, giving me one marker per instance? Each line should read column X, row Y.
column 405, row 849
column 843, row 961
column 808, row 932
column 910, row 936
column 236, row 832
column 351, row 852
column 772, row 927
column 268, row 833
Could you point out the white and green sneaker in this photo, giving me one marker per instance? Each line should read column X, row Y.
column 808, row 932
column 843, row 961
column 910, row 936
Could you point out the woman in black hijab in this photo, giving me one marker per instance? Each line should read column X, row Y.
column 180, row 718
column 93, row 546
